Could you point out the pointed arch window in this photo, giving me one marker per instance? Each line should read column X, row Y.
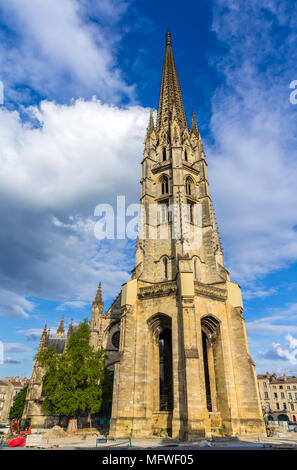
column 164, row 154
column 195, row 269
column 165, row 263
column 189, row 185
column 191, row 211
column 186, row 156
column 164, row 184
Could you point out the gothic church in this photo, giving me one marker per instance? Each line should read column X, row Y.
column 175, row 336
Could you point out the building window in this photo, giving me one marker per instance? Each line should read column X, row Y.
column 281, row 386
column 266, row 395
column 277, row 406
column 186, row 156
column 288, row 387
column 164, row 154
column 196, row 270
column 115, row 339
column 189, row 183
column 284, row 406
column 292, row 406
column 165, row 263
column 282, row 395
column 264, row 384
column 290, row 396
column 164, row 184
column 275, row 395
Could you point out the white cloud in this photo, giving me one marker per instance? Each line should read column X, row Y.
column 59, row 51
column 31, row 334
column 81, row 152
column 73, row 304
column 292, row 341
column 279, row 358
column 52, row 177
column 15, row 348
column 258, row 293
column 286, row 353
column 14, row 305
column 253, row 164
column 279, row 321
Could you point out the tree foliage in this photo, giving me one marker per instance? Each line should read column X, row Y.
column 17, row 408
column 75, row 382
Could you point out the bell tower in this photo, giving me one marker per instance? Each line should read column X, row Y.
column 184, row 364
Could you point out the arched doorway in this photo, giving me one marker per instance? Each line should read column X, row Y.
column 160, row 326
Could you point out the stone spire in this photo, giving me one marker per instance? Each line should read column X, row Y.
column 97, row 309
column 151, row 125
column 170, row 93
column 61, row 330
column 44, row 339
column 98, row 298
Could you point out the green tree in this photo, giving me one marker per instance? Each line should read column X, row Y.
column 75, row 382
column 17, row 408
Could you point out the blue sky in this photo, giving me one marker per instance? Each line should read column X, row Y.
column 79, row 79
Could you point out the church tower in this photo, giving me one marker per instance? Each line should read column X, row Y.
column 184, row 363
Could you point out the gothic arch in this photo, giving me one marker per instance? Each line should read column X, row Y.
column 164, row 268
column 164, row 182
column 210, row 326
column 209, row 333
column 160, row 326
column 189, row 185
column 187, row 153
column 158, row 322
column 197, row 270
column 109, row 331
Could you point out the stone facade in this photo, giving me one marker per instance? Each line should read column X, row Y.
column 33, row 409
column 175, row 335
column 9, row 388
column 278, row 397
column 180, row 307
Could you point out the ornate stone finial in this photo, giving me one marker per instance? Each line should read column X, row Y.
column 61, row 331
column 168, row 38
column 194, row 127
column 151, row 125
column 44, row 338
